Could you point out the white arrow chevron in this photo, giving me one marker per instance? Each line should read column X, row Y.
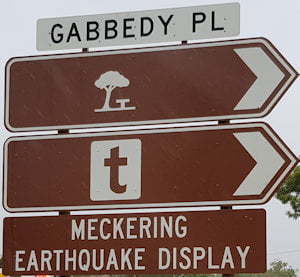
column 268, row 77
column 268, row 162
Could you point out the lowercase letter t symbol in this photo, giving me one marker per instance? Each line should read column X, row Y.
column 114, row 162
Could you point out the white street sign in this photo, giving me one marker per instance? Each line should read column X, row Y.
column 129, row 28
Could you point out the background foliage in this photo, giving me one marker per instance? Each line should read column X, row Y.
column 289, row 193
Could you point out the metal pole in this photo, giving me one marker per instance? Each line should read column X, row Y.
column 66, row 131
column 64, row 213
column 227, row 208
column 60, row 213
column 223, row 122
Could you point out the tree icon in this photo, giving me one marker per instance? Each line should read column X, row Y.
column 109, row 81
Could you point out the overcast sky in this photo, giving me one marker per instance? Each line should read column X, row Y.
column 277, row 20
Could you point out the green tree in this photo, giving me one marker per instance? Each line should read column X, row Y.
column 289, row 193
column 278, row 269
column 282, row 269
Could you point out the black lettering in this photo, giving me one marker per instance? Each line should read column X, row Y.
column 126, row 28
column 147, row 19
column 197, row 21
column 59, row 36
column 73, row 32
column 111, row 29
column 92, row 28
column 165, row 23
column 213, row 28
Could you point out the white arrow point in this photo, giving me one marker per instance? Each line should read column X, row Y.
column 268, row 77
column 268, row 162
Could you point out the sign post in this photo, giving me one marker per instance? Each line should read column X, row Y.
column 217, row 165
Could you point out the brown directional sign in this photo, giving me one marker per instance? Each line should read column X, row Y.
column 197, row 166
column 197, row 82
column 153, row 243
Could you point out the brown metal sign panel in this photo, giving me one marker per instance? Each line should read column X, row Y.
column 149, row 243
column 183, row 83
column 197, row 166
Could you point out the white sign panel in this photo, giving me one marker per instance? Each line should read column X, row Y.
column 153, row 26
column 115, row 170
